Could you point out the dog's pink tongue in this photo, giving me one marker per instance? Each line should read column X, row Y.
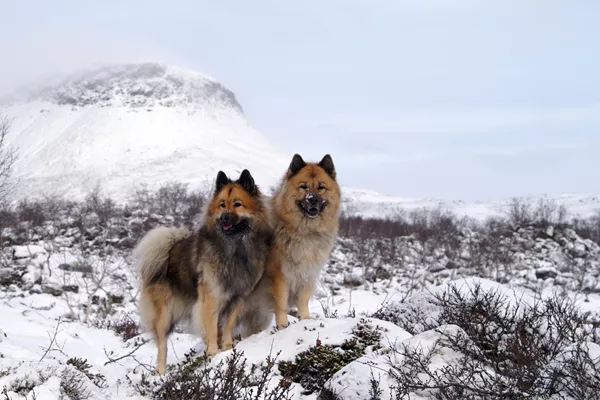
column 227, row 227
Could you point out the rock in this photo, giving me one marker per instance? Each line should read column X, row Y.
column 122, row 232
column 116, row 299
column 578, row 250
column 452, row 265
column 352, row 280
column 126, row 243
column 71, row 288
column 28, row 251
column 54, row 291
column 561, row 281
column 590, row 284
column 35, row 289
column 380, row 273
column 546, row 272
column 570, row 234
column 436, row 267
column 9, row 276
column 151, row 222
column 92, row 233
column 77, row 267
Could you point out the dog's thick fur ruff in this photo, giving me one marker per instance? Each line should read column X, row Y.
column 204, row 276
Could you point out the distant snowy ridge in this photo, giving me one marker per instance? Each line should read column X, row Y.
column 370, row 204
column 137, row 86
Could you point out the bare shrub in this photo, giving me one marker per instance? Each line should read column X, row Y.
column 548, row 213
column 124, row 327
column 423, row 223
column 488, row 252
column 103, row 206
column 8, row 217
column 73, row 385
column 194, row 203
column 31, row 211
column 507, row 351
column 196, row 379
column 173, row 199
column 588, row 228
column 8, row 157
column 313, row 367
column 83, row 366
column 519, row 212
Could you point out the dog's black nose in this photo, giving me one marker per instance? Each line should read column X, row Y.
column 313, row 201
column 227, row 219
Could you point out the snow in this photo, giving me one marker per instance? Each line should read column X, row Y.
column 30, row 331
column 108, row 138
column 34, row 318
column 27, row 251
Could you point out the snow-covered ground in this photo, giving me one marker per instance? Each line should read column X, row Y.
column 63, row 285
column 35, row 347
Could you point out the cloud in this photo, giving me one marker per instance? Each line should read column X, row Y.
column 459, row 122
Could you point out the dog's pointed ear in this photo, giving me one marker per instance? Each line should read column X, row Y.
column 222, row 180
column 327, row 164
column 247, row 182
column 296, row 165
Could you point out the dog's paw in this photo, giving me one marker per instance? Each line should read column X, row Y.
column 212, row 351
column 282, row 322
column 227, row 346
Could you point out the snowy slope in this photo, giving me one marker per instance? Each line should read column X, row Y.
column 368, row 203
column 130, row 124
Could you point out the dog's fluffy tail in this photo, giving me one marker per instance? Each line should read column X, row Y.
column 152, row 252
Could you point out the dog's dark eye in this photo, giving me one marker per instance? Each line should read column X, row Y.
column 237, row 204
column 303, row 187
column 222, row 205
column 322, row 188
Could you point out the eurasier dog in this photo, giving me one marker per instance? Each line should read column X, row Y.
column 204, row 276
column 306, row 209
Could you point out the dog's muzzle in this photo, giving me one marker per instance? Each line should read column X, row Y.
column 312, row 205
column 232, row 224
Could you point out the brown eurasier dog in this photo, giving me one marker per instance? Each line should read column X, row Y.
column 204, row 276
column 306, row 208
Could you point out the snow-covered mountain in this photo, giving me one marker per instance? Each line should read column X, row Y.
column 124, row 125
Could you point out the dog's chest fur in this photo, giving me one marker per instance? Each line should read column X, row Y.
column 236, row 263
column 303, row 256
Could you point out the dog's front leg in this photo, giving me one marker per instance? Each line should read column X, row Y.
column 281, row 293
column 303, row 298
column 209, row 318
column 233, row 312
column 280, row 288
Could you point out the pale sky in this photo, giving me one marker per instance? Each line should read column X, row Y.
column 464, row 99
